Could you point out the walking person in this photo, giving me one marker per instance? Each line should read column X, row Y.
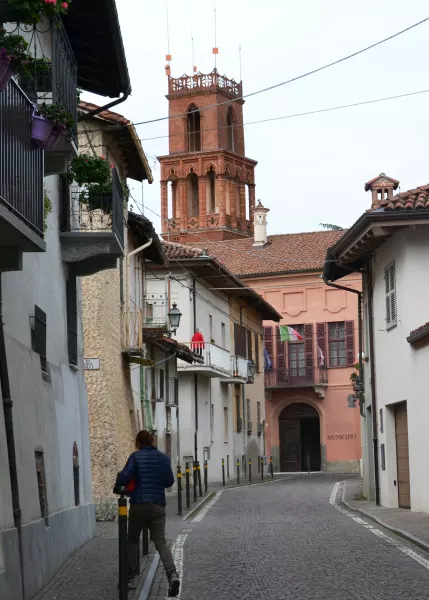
column 151, row 473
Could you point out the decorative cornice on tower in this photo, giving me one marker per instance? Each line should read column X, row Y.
column 201, row 83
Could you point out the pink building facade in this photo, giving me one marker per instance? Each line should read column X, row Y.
column 312, row 418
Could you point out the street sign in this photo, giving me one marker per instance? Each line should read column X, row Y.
column 91, row 364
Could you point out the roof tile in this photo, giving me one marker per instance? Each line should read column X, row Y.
column 417, row 198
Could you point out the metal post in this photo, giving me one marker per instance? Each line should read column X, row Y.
column 259, row 464
column 188, row 487
column 200, row 487
column 206, row 480
column 238, row 471
column 194, row 473
column 122, row 534
column 250, row 470
column 308, row 463
column 145, row 541
column 271, row 467
column 179, row 490
column 262, row 468
column 223, row 472
column 244, row 466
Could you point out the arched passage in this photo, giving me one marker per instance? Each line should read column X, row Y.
column 299, row 429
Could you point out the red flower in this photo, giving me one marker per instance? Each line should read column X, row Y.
column 102, row 157
column 65, row 5
column 112, row 166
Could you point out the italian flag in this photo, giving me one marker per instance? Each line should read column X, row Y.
column 288, row 334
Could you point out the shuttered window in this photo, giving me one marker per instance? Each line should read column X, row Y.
column 240, row 340
column 268, row 344
column 390, row 287
column 341, row 344
column 249, row 345
column 257, row 353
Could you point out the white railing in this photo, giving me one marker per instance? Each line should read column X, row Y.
column 239, row 367
column 213, row 356
column 132, row 329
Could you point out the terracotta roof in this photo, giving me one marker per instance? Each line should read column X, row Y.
column 173, row 251
column 410, row 200
column 286, row 253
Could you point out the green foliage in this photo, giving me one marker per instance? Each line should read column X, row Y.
column 87, row 169
column 32, row 11
column 62, row 119
column 331, row 227
column 14, row 49
column 47, row 209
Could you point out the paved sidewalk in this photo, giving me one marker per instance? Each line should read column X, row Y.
column 411, row 525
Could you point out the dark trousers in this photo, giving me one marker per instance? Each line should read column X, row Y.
column 153, row 517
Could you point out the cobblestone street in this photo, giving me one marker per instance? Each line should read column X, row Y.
column 291, row 539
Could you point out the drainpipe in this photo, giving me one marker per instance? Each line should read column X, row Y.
column 194, row 297
column 127, row 258
column 369, row 282
column 10, row 440
column 100, row 109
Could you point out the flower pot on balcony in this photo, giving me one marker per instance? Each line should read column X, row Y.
column 6, row 73
column 41, row 130
column 52, row 140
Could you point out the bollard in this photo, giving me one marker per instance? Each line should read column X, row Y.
column 122, row 535
column 194, row 473
column 250, row 470
column 223, row 472
column 271, row 468
column 244, row 467
column 145, row 540
column 238, row 471
column 308, row 463
column 200, row 487
column 262, row 468
column 259, row 464
column 179, row 491
column 188, row 487
column 206, row 480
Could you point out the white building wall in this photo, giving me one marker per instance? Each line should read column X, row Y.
column 401, row 371
column 47, row 416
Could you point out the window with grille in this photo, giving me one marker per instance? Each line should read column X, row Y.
column 390, row 287
column 248, row 415
column 38, row 338
column 341, row 344
column 41, row 484
column 258, row 412
column 72, row 318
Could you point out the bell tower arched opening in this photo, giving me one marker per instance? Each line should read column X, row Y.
column 194, row 129
column 299, row 429
column 193, row 195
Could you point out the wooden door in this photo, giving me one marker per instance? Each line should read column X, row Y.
column 290, row 445
column 402, row 456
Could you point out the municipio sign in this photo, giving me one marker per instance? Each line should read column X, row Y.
column 91, row 364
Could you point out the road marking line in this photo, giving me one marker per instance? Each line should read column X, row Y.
column 177, row 552
column 424, row 562
column 200, row 516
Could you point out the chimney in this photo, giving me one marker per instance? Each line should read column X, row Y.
column 260, row 225
column 381, row 189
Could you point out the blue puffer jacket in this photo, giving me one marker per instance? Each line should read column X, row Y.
column 151, row 470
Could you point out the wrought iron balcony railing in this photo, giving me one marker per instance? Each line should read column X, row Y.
column 21, row 164
column 288, row 378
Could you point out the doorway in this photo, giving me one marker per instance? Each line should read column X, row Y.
column 299, row 428
column 402, row 456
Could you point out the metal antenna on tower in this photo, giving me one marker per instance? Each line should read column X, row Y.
column 239, row 55
column 168, row 55
column 215, row 49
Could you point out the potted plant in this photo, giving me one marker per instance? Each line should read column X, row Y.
column 93, row 174
column 52, row 122
column 14, row 57
column 31, row 11
column 38, row 78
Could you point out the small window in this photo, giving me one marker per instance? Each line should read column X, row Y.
column 41, row 484
column 223, row 335
column 76, row 481
column 230, row 125
column 381, row 421
column 258, row 412
column 72, row 335
column 225, row 428
column 248, row 414
column 238, row 412
column 211, row 327
column 194, row 129
column 390, row 287
column 383, row 457
column 38, row 340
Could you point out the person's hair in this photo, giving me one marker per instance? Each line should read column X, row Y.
column 144, row 439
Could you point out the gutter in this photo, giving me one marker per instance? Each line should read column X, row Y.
column 10, row 442
column 108, row 106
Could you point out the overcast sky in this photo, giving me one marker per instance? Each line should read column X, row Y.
column 311, row 169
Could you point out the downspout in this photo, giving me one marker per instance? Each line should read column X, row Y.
column 369, row 283
column 194, row 297
column 100, row 109
column 10, row 440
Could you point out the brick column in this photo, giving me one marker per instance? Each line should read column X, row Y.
column 242, row 215
column 183, row 201
column 164, row 206
column 174, row 198
column 233, row 203
column 251, row 203
column 202, row 183
column 222, row 201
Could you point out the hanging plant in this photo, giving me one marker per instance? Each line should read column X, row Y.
column 47, row 209
column 63, row 120
column 37, row 78
column 14, row 57
column 32, row 11
column 87, row 169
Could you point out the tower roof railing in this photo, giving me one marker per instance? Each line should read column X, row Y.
column 204, row 82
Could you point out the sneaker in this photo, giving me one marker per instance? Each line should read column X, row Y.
column 173, row 585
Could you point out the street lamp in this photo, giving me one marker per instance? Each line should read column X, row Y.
column 174, row 317
column 251, row 369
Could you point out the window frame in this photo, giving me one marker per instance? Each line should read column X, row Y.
column 337, row 341
column 391, row 299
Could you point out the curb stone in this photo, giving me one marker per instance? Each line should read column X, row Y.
column 404, row 534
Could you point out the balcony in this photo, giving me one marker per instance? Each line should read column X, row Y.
column 92, row 228
column 21, row 181
column 155, row 313
column 215, row 361
column 316, row 378
column 239, row 371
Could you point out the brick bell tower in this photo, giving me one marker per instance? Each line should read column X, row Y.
column 207, row 183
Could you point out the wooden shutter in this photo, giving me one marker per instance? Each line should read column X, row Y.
column 257, row 352
column 40, row 331
column 321, row 343
column 390, row 286
column 240, row 340
column 308, row 349
column 268, row 341
column 350, row 343
column 280, row 358
column 71, row 297
column 249, row 344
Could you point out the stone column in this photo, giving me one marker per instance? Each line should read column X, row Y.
column 174, row 198
column 222, row 201
column 183, row 201
column 164, row 206
column 233, row 203
column 202, row 184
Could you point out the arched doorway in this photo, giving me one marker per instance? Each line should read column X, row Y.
column 299, row 428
